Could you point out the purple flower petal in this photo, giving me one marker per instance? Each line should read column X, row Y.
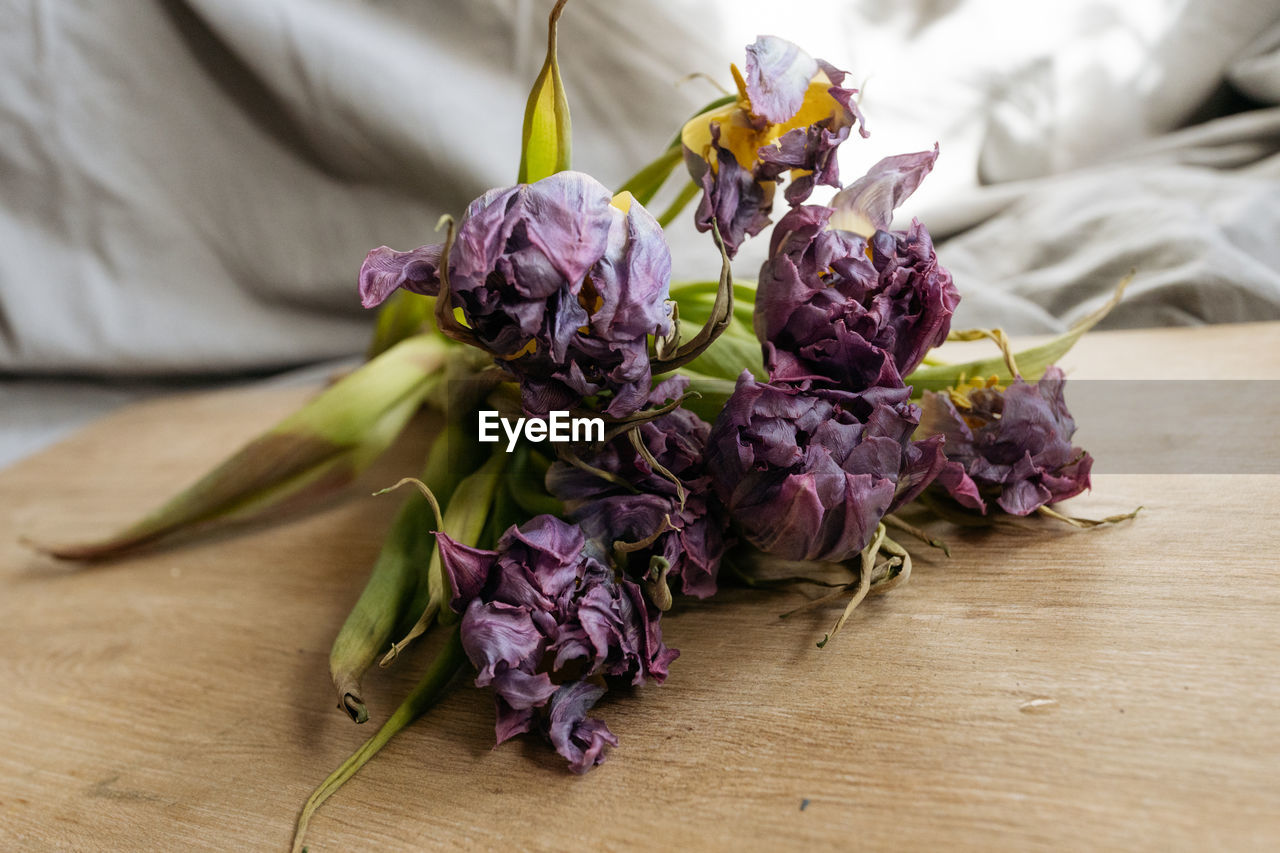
column 497, row 635
column 692, row 539
column 523, row 690
column 548, row 604
column 777, row 77
column 579, row 738
column 559, row 284
column 384, row 270
column 731, row 196
column 466, row 568
column 867, row 205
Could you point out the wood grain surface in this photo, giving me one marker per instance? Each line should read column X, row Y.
column 1041, row 689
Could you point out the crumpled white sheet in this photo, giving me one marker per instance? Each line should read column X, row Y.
column 188, row 186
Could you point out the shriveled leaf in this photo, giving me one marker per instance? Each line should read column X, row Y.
column 447, row 663
column 717, row 322
column 313, row 452
column 546, row 143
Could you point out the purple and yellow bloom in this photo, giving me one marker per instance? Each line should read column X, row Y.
column 807, row 472
column 541, row 618
column 639, row 502
column 559, row 280
column 854, row 307
column 1009, row 445
column 791, row 115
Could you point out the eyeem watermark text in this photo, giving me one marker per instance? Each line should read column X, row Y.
column 557, row 427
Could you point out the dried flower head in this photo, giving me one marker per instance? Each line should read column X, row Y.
column 855, row 309
column 808, row 472
column 540, row 613
column 790, row 116
column 1011, row 445
column 559, row 280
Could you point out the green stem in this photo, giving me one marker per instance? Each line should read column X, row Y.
column 447, row 663
column 644, row 184
column 687, row 194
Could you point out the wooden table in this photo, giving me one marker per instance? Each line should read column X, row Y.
column 1115, row 688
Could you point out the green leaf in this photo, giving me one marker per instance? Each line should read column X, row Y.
column 313, row 452
column 734, row 350
column 711, row 394
column 464, row 521
column 546, row 142
column 402, row 316
column 398, row 590
column 644, row 184
column 687, row 194
column 697, row 299
column 1031, row 362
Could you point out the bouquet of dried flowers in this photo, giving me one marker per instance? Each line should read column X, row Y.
column 728, row 428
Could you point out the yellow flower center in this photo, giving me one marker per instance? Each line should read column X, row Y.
column 960, row 393
column 738, row 133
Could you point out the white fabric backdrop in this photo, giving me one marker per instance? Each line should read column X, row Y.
column 189, row 186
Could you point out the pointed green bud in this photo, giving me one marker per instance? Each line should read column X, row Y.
column 546, row 141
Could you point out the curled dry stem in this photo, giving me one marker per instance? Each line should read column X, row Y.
column 1087, row 523
column 910, row 529
column 721, row 316
column 446, row 321
column 864, row 583
column 997, row 335
column 637, row 441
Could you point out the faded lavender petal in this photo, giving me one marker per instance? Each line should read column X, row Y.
column 832, row 307
column 579, row 738
column 808, row 472
column 385, row 270
column 497, row 636
column 564, row 288
column 467, row 568
column 777, row 76
column 1011, row 446
column 867, row 205
column 693, row 542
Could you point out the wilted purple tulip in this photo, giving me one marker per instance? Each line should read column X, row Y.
column 538, row 606
column 561, row 282
column 640, row 502
column 1009, row 445
column 790, row 116
column 856, row 310
column 808, row 472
